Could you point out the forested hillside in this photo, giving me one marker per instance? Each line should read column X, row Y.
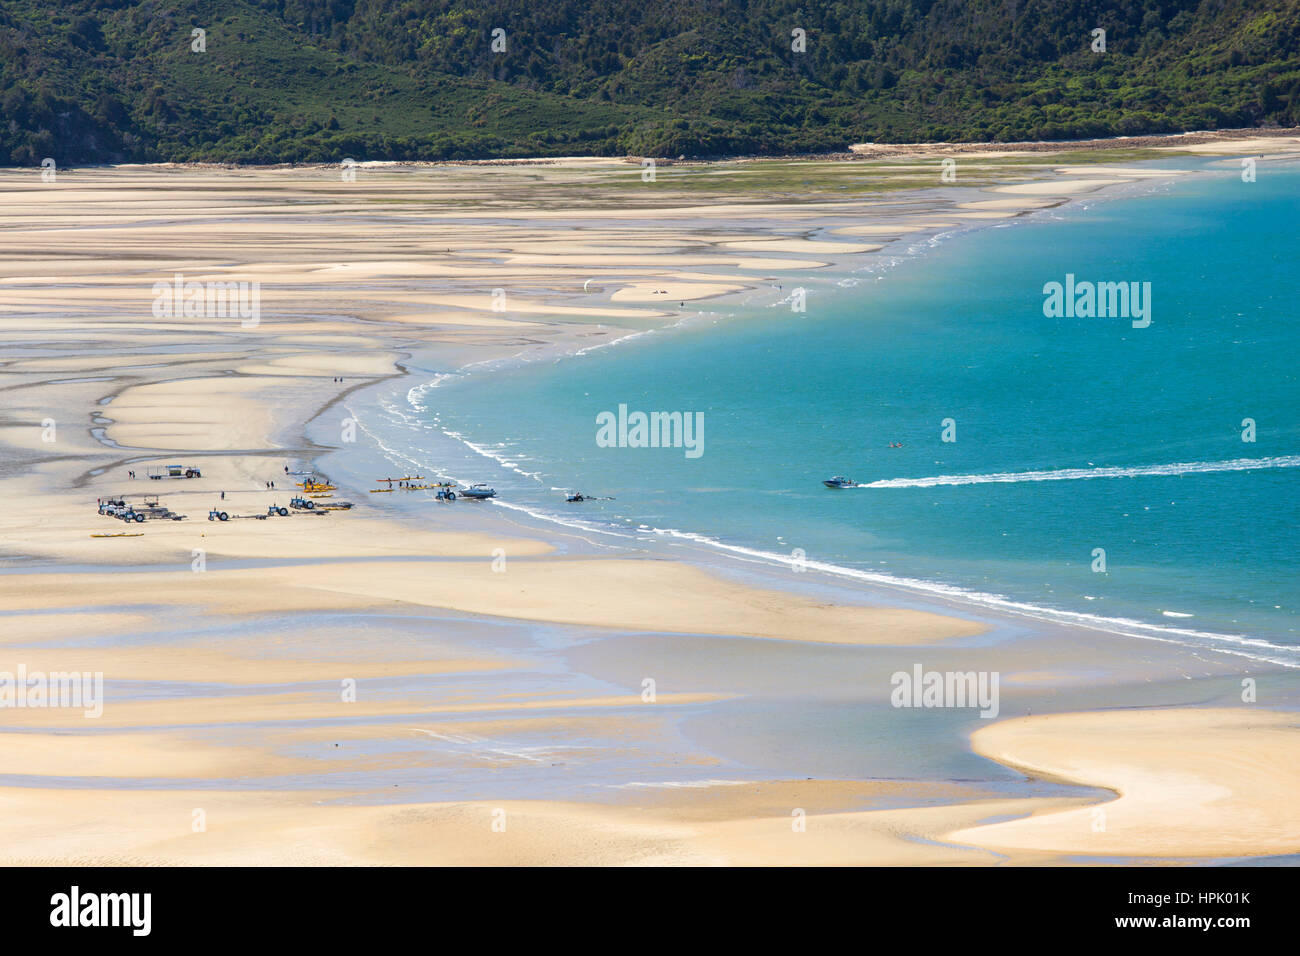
column 303, row 80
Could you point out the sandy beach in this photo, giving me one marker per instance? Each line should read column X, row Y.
column 404, row 682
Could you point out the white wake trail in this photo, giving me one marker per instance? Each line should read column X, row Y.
column 1068, row 474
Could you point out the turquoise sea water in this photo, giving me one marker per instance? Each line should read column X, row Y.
column 1199, row 527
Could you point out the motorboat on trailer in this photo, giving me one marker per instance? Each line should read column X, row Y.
column 839, row 481
column 479, row 491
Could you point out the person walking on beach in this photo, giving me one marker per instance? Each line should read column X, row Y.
column 223, row 496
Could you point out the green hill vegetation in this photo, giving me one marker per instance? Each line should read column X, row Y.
column 319, row 80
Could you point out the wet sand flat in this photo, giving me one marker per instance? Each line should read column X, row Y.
column 387, row 684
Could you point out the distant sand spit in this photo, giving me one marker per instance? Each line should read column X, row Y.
column 1190, row 782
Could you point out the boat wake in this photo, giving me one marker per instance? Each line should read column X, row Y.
column 1075, row 474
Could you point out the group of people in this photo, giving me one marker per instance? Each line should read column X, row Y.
column 270, row 484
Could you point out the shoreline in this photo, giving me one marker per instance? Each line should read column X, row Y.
column 853, row 151
column 423, row 622
column 879, row 586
